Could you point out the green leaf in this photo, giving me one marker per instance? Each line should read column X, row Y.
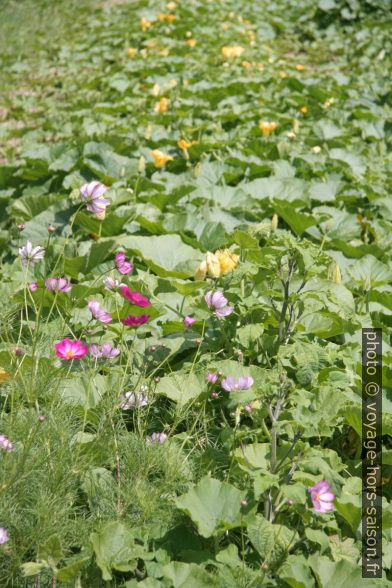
column 296, row 572
column 166, row 255
column 114, row 549
column 182, row 388
column 212, row 505
column 184, row 575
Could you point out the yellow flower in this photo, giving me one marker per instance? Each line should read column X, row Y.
column 162, row 105
column 228, row 261
column 246, row 64
column 274, row 222
column 267, row 127
column 172, row 83
column 316, row 149
column 229, row 52
column 299, row 67
column 171, row 5
column 160, row 158
column 303, row 109
column 145, row 24
column 283, row 74
column 328, row 102
column 132, row 51
column 210, row 266
column 4, row 376
column 164, row 52
column 166, row 17
column 156, row 90
column 191, row 42
column 334, row 273
column 143, row 53
column 184, row 144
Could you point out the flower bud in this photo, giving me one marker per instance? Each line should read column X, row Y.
column 141, row 165
column 21, row 227
column 51, row 229
column 274, row 222
column 201, row 271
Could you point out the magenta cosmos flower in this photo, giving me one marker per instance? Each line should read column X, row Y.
column 68, row 349
column 134, row 297
column 135, row 321
column 218, row 303
column 98, row 312
column 105, row 350
column 5, row 444
column 93, row 193
column 4, row 537
column 30, row 255
column 231, row 383
column 58, row 284
column 123, row 265
column 188, row 321
column 322, row 497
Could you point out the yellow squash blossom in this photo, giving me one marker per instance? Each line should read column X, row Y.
column 191, row 42
column 267, row 127
column 303, row 109
column 162, row 105
column 228, row 261
column 132, row 51
column 4, row 376
column 160, row 158
column 299, row 67
column 334, row 273
column 231, row 51
column 217, row 264
column 145, row 24
column 184, row 144
column 166, row 17
column 171, row 5
column 156, row 89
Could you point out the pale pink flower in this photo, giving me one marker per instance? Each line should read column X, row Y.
column 67, row 349
column 123, row 265
column 98, row 312
column 188, row 321
column 231, row 383
column 158, row 438
column 134, row 297
column 93, row 193
column 105, row 350
column 5, row 444
column 135, row 321
column 4, row 537
column 33, row 287
column 111, row 284
column 30, row 255
column 58, row 284
column 212, row 378
column 131, row 400
column 218, row 303
column 322, row 497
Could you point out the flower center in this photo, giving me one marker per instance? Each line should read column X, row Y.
column 69, row 355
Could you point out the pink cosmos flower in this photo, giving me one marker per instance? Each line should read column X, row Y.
column 98, row 312
column 4, row 537
column 105, row 350
column 188, row 321
column 135, row 298
column 30, row 255
column 68, row 349
column 322, row 497
column 130, row 400
column 218, row 303
column 33, row 287
column 5, row 444
column 93, row 193
column 158, row 438
column 58, row 284
column 124, row 267
column 135, row 321
column 212, row 378
column 111, row 284
column 231, row 383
